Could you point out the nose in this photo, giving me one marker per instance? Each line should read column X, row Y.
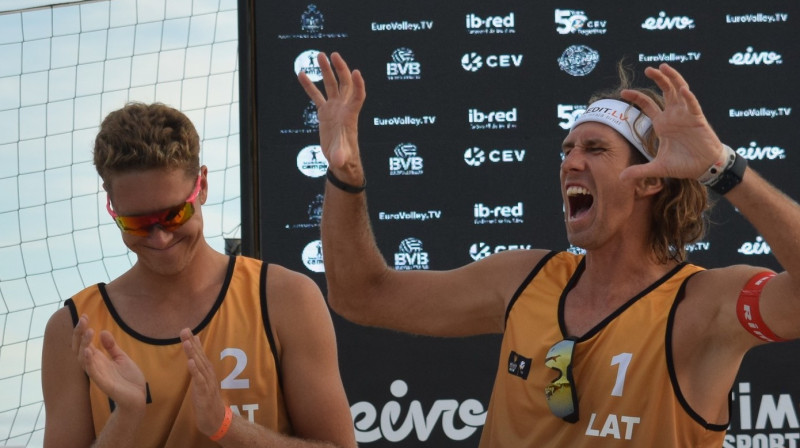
column 159, row 236
column 574, row 160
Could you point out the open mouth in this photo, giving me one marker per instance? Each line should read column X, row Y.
column 580, row 201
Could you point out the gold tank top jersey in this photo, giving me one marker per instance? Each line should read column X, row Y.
column 237, row 339
column 622, row 370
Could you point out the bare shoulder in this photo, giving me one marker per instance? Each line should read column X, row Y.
column 509, row 268
column 292, row 296
column 284, row 284
column 59, row 327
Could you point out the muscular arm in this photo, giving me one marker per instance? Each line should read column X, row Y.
column 65, row 386
column 777, row 218
column 361, row 287
column 311, row 385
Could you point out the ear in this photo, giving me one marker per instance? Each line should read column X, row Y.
column 203, row 185
column 648, row 186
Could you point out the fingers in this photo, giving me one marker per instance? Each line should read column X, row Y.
column 110, row 345
column 77, row 333
column 199, row 366
column 311, row 90
column 337, row 79
column 359, row 89
column 644, row 102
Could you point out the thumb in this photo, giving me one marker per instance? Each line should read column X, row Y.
column 639, row 171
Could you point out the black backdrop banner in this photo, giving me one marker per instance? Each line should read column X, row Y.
column 467, row 105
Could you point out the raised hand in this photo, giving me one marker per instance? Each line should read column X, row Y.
column 338, row 114
column 113, row 371
column 209, row 408
column 687, row 144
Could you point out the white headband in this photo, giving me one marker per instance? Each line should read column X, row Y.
column 621, row 116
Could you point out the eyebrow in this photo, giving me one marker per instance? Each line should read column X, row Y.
column 589, row 142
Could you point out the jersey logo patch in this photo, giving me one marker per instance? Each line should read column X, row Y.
column 519, row 365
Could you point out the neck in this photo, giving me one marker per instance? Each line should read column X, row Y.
column 614, row 275
column 206, row 269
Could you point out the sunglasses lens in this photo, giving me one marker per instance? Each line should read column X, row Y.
column 562, row 398
column 177, row 216
column 169, row 220
column 135, row 225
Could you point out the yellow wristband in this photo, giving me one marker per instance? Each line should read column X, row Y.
column 226, row 424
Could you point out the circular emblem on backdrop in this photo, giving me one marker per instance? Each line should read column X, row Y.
column 307, row 62
column 471, row 62
column 474, row 156
column 312, row 256
column 311, row 161
column 578, row 60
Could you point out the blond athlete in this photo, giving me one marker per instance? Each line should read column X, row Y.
column 189, row 347
column 626, row 346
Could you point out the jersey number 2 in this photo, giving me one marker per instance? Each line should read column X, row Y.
column 231, row 381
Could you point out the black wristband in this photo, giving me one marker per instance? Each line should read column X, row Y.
column 345, row 186
column 731, row 177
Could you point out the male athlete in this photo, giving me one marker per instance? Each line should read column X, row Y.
column 189, row 347
column 628, row 345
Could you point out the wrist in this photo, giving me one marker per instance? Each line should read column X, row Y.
column 726, row 173
column 723, row 162
column 227, row 419
column 345, row 186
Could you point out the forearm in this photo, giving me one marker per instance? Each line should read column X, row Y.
column 120, row 430
column 353, row 262
column 242, row 433
column 774, row 215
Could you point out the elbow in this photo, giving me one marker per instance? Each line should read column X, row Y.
column 343, row 305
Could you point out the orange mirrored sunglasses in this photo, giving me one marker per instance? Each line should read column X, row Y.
column 169, row 219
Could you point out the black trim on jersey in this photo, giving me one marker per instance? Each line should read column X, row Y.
column 267, row 327
column 72, row 311
column 153, row 341
column 603, row 323
column 527, row 281
column 671, row 368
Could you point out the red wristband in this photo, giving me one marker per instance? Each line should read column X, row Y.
column 226, row 424
column 747, row 308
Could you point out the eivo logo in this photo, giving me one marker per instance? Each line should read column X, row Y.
column 754, row 152
column 750, row 57
column 759, row 247
column 459, row 421
column 667, row 23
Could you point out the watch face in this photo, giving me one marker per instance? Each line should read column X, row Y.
column 731, row 177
